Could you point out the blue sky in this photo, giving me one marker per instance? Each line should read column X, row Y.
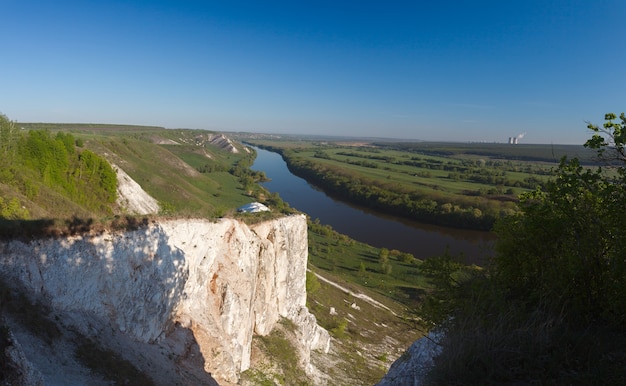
column 429, row 70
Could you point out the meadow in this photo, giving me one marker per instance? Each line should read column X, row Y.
column 456, row 185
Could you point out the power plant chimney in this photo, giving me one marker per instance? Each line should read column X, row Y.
column 515, row 140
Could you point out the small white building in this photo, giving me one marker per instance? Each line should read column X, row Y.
column 253, row 207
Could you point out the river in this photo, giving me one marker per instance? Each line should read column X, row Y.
column 422, row 240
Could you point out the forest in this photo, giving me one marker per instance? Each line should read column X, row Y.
column 35, row 159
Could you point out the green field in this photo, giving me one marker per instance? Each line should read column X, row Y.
column 457, row 185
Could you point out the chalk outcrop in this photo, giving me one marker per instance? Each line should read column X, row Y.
column 15, row 367
column 131, row 196
column 411, row 368
column 223, row 142
column 224, row 281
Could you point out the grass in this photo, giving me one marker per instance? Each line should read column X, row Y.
column 169, row 174
column 367, row 338
column 437, row 186
column 359, row 263
column 426, row 177
column 284, row 367
column 524, row 152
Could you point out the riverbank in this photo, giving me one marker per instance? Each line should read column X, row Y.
column 421, row 240
column 451, row 190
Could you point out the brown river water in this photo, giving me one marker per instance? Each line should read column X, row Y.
column 374, row 228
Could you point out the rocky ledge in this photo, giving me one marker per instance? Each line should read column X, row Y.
column 223, row 281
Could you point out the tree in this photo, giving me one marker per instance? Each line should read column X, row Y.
column 7, row 138
column 612, row 137
column 362, row 269
column 383, row 255
column 565, row 249
column 550, row 308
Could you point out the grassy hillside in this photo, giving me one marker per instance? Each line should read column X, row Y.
column 190, row 175
column 186, row 173
column 51, row 174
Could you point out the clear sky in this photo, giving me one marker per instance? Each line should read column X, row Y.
column 431, row 70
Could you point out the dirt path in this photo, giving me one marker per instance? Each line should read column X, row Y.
column 356, row 295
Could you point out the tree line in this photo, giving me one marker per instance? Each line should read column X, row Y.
column 389, row 197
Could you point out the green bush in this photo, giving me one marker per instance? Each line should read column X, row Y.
column 312, row 283
column 12, row 210
column 41, row 159
column 550, row 308
column 566, row 249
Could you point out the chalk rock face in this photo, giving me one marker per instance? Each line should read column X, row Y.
column 224, row 280
column 411, row 367
column 19, row 371
column 131, row 196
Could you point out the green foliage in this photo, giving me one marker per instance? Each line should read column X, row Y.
column 275, row 203
column 610, row 137
column 338, row 328
column 312, row 283
column 408, row 258
column 40, row 159
column 12, row 209
column 283, row 354
column 383, row 255
column 96, row 172
column 360, row 263
column 451, row 280
column 386, row 268
column 551, row 306
column 462, row 193
column 566, row 248
column 362, row 269
column 8, row 140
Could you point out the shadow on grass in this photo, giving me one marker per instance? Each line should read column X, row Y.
column 26, row 230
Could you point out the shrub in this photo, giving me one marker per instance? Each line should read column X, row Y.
column 551, row 305
column 312, row 283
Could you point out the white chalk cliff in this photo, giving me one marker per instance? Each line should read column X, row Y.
column 225, row 281
column 131, row 196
